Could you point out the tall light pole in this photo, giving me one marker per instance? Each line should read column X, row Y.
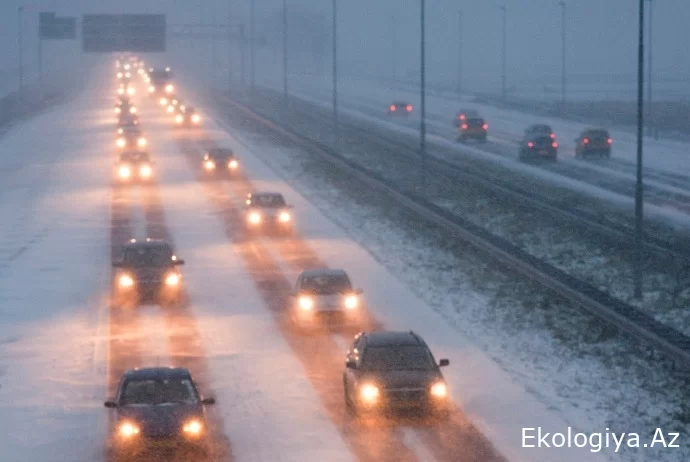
column 563, row 54
column 637, row 271
column 214, row 57
column 285, row 50
column 460, row 53
column 336, row 122
column 422, row 115
column 504, row 53
column 231, row 31
column 649, row 69
column 20, row 44
column 394, row 51
column 252, row 39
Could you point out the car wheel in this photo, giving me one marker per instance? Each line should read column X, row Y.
column 349, row 405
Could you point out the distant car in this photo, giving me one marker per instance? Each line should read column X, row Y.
column 134, row 166
column 463, row 115
column 125, row 107
column 473, row 129
column 399, row 108
column 158, row 409
column 267, row 211
column 393, row 370
column 187, row 117
column 127, row 119
column 130, row 137
column 220, row 161
column 173, row 105
column 538, row 142
column 593, row 142
column 325, row 297
column 148, row 272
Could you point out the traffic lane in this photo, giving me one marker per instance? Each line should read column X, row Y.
column 185, row 344
column 320, row 356
column 453, row 440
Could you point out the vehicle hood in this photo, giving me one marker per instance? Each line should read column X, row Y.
column 404, row 378
column 161, row 420
column 149, row 273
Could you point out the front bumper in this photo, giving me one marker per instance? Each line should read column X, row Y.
column 158, row 446
column 317, row 317
column 397, row 400
column 149, row 291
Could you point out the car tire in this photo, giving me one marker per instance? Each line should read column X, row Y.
column 350, row 408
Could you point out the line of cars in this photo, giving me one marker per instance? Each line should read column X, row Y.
column 161, row 407
column 538, row 140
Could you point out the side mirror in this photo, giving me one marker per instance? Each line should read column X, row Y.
column 179, row 262
column 110, row 404
column 351, row 364
column 443, row 363
column 208, row 401
column 117, row 264
column 359, row 291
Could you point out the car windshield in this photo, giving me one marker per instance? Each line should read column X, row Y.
column 397, row 357
column 148, row 256
column 157, row 392
column 272, row 200
column 326, row 284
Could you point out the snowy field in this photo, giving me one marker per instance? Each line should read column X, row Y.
column 56, row 345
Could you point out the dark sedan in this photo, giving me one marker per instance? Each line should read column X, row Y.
column 148, row 271
column 158, row 409
column 393, row 370
column 593, row 142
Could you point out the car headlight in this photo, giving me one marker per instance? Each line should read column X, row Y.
column 172, row 279
column 141, row 142
column 196, row 119
column 131, row 91
column 152, row 88
column 120, row 91
column 125, row 281
column 179, row 119
column 169, row 88
column 163, row 101
column 255, row 218
column 117, row 110
column 306, row 303
column 209, row 165
column 193, row 427
column 145, row 171
column 119, row 75
column 439, row 390
column 233, row 164
column 369, row 393
column 351, row 302
column 128, row 429
column 132, row 110
column 171, row 108
column 284, row 217
column 120, row 142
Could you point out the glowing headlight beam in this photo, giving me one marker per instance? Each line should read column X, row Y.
column 369, row 393
column 255, row 218
column 439, row 390
column 125, row 281
column 233, row 164
column 284, row 217
column 193, row 427
column 172, row 279
column 306, row 303
column 351, row 302
column 128, row 430
column 145, row 171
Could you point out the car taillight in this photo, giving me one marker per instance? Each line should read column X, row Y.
column 461, row 117
column 530, row 145
column 554, row 145
column 485, row 126
column 464, row 126
column 409, row 108
column 392, row 107
column 585, row 141
column 609, row 141
column 553, row 136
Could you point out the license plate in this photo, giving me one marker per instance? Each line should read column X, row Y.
column 543, row 151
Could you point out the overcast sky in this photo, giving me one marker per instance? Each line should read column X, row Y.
column 601, row 34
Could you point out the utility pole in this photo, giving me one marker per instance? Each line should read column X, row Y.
column 243, row 55
column 422, row 124
column 214, row 43
column 504, row 54
column 460, row 53
column 20, row 43
column 394, row 51
column 336, row 122
column 650, row 123
column 637, row 271
column 231, row 31
column 285, row 50
column 252, row 39
column 563, row 53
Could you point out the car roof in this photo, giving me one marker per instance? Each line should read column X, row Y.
column 390, row 338
column 158, row 373
column 265, row 194
column 147, row 243
column 220, row 152
column 400, row 103
column 318, row 272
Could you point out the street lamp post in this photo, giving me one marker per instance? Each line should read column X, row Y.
column 459, row 53
column 394, row 51
column 20, row 43
column 231, row 31
column 649, row 70
column 504, row 54
column 422, row 115
column 285, row 50
column 252, row 39
column 637, row 271
column 336, row 122
column 563, row 54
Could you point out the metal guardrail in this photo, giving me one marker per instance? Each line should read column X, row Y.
column 622, row 316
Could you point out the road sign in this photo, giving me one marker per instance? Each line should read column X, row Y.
column 52, row 27
column 107, row 33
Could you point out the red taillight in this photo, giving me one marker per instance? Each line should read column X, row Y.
column 461, row 117
column 485, row 126
column 553, row 136
column 609, row 141
column 464, row 126
column 554, row 145
column 409, row 108
column 392, row 107
column 585, row 141
column 530, row 145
